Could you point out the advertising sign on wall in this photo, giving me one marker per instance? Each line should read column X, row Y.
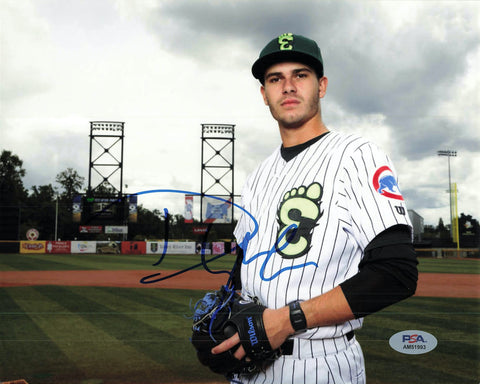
column 112, row 229
column 218, row 247
column 32, row 234
column 134, row 247
column 177, row 248
column 32, row 246
column 90, row 229
column 199, row 230
column 83, row 246
column 58, row 247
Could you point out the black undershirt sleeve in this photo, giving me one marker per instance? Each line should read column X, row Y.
column 387, row 273
column 236, row 278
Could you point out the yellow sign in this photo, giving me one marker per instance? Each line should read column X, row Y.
column 32, row 246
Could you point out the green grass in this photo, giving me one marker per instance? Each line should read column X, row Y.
column 52, row 262
column 107, row 335
column 85, row 335
column 98, row 335
column 454, row 322
column 432, row 265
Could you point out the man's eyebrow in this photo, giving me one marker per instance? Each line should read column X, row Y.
column 295, row 71
column 273, row 74
column 303, row 69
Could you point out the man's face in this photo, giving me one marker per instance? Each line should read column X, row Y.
column 292, row 91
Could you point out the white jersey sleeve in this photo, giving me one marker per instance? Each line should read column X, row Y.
column 371, row 195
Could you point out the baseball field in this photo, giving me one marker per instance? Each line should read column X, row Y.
column 87, row 319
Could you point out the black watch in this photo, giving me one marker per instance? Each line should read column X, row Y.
column 297, row 317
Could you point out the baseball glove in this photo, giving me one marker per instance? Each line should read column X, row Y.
column 218, row 316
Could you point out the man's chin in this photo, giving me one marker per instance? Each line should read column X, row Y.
column 292, row 124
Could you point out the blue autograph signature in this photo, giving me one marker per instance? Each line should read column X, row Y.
column 153, row 278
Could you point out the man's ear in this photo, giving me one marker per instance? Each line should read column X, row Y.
column 262, row 91
column 322, row 86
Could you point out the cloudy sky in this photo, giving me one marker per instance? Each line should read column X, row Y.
column 401, row 73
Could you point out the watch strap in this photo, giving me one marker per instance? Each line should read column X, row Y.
column 297, row 317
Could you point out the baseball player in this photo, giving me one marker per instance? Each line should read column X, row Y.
column 331, row 240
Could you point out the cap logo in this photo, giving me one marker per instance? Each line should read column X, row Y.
column 285, row 41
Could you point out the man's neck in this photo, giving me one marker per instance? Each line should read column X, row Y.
column 295, row 136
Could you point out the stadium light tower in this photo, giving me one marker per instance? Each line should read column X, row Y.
column 449, row 153
column 217, row 178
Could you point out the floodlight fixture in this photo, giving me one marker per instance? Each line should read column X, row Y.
column 447, row 152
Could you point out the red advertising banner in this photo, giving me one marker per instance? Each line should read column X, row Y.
column 58, row 247
column 90, row 229
column 199, row 230
column 134, row 247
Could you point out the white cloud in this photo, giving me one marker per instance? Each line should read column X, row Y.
column 404, row 74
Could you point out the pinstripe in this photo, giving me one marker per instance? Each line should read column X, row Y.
column 347, row 362
column 338, row 366
column 330, row 374
column 293, row 371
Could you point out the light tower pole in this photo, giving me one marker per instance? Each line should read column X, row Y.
column 449, row 153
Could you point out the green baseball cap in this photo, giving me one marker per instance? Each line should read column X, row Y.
column 288, row 47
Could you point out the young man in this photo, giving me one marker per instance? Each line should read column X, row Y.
column 332, row 239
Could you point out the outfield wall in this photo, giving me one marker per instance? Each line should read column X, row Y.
column 124, row 247
column 174, row 247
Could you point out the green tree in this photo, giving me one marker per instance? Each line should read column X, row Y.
column 149, row 225
column 43, row 193
column 443, row 230
column 12, row 195
column 105, row 189
column 71, row 183
column 11, row 174
column 429, row 232
column 469, row 231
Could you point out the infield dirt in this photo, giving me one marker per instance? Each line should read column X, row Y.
column 429, row 284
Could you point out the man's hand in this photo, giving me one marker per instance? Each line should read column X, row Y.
column 277, row 327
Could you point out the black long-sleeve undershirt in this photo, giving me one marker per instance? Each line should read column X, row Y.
column 387, row 273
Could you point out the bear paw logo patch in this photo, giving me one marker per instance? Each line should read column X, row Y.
column 297, row 216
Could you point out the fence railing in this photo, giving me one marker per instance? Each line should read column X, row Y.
column 127, row 247
column 441, row 253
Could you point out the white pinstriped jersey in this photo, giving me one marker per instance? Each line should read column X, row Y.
column 312, row 218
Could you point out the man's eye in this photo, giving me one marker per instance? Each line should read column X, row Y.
column 274, row 79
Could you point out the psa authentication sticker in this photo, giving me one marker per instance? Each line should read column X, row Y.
column 385, row 183
column 413, row 342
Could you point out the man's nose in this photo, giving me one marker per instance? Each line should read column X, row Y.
column 289, row 86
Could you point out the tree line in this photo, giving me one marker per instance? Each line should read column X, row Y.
column 48, row 208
